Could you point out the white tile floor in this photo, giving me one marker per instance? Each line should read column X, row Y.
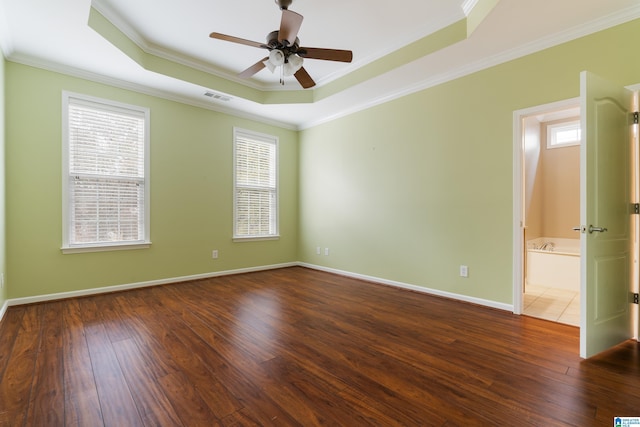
column 558, row 305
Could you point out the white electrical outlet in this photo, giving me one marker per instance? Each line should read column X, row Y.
column 318, row 250
column 326, row 251
column 464, row 271
column 1, row 280
column 214, row 254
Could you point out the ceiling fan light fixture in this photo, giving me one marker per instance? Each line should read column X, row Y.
column 293, row 64
column 287, row 70
column 276, row 57
column 269, row 65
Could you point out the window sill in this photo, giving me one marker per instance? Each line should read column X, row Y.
column 105, row 248
column 255, row 238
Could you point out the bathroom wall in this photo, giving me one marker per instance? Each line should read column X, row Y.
column 532, row 179
column 552, row 184
column 560, row 199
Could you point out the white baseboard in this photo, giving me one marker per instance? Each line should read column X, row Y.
column 124, row 287
column 465, row 298
column 116, row 288
column 3, row 310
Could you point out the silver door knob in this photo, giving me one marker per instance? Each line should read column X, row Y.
column 598, row 229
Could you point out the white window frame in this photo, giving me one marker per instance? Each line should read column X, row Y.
column 555, row 128
column 259, row 138
column 67, row 245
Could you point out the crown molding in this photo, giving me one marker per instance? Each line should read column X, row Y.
column 122, row 25
column 427, row 30
column 570, row 34
column 130, row 32
column 145, row 90
column 543, row 43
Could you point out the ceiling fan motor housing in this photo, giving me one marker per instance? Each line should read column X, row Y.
column 274, row 43
column 284, row 4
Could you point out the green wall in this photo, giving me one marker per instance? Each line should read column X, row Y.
column 411, row 189
column 405, row 191
column 191, row 192
column 3, row 256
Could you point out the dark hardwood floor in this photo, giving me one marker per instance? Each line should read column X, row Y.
column 300, row 347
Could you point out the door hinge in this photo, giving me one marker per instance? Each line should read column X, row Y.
column 635, row 298
column 635, row 208
column 635, row 117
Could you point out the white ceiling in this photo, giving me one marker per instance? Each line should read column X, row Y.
column 55, row 35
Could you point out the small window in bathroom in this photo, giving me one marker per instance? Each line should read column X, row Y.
column 563, row 134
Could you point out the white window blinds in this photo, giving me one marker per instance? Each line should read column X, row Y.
column 256, row 185
column 106, row 173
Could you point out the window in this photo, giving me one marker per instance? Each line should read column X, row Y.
column 255, row 185
column 563, row 134
column 105, row 175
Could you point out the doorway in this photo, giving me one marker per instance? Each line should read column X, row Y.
column 549, row 248
column 609, row 219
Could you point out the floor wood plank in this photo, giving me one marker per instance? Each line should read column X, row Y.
column 116, row 402
column 298, row 347
column 154, row 406
column 17, row 380
column 46, row 406
column 9, row 329
column 81, row 402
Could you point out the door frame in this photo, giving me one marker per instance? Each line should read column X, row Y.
column 518, row 202
column 518, row 193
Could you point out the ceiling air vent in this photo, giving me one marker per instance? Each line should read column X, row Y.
column 218, row 96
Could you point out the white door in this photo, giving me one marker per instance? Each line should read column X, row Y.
column 605, row 201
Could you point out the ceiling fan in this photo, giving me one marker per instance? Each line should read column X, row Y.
column 285, row 50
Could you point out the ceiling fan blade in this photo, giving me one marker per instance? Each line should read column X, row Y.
column 233, row 39
column 326, row 54
column 253, row 69
column 304, row 78
column 289, row 26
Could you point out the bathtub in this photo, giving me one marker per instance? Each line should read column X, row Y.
column 554, row 263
